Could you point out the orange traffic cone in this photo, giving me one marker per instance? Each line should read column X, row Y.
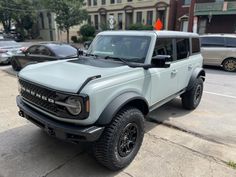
column 158, row 25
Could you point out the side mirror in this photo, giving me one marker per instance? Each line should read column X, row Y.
column 161, row 61
column 80, row 52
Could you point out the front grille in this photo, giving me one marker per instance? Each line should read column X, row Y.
column 29, row 91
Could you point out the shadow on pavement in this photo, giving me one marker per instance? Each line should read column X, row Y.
column 28, row 151
column 8, row 69
column 173, row 109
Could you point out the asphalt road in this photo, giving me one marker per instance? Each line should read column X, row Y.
column 190, row 143
column 215, row 118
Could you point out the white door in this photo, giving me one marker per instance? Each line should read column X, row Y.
column 164, row 80
column 164, row 83
column 185, row 25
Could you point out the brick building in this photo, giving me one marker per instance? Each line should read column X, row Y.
column 204, row 16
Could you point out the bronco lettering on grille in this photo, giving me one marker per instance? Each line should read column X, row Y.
column 33, row 93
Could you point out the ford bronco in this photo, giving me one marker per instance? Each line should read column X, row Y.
column 104, row 95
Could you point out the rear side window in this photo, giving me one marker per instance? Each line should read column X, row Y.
column 230, row 42
column 182, row 48
column 164, row 46
column 212, row 42
column 195, row 45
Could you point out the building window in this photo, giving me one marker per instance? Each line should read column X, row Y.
column 42, row 20
column 112, row 1
column 89, row 2
column 187, row 2
column 95, row 2
column 129, row 0
column 89, row 20
column 182, row 48
column 161, row 14
column 149, row 17
column 120, row 21
column 139, row 18
column 103, row 2
column 96, row 21
column 119, row 1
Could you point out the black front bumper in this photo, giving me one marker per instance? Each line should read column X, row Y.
column 61, row 130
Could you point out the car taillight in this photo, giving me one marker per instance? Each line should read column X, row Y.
column 23, row 49
column 3, row 51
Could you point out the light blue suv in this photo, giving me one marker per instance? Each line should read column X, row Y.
column 105, row 94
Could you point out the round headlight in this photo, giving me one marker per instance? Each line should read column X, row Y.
column 73, row 105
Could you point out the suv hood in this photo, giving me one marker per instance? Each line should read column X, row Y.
column 65, row 76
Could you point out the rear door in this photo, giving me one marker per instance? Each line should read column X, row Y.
column 213, row 50
column 182, row 64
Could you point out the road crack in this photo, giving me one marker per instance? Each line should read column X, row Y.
column 63, row 164
column 206, row 156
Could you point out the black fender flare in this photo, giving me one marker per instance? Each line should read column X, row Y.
column 128, row 98
column 198, row 72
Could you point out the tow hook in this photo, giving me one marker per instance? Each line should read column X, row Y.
column 21, row 113
column 50, row 131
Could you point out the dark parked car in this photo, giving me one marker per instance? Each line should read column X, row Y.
column 43, row 52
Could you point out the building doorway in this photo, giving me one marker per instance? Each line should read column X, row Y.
column 129, row 19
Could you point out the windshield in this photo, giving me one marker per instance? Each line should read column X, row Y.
column 129, row 48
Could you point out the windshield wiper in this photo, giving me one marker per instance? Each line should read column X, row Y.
column 132, row 65
column 117, row 58
column 89, row 54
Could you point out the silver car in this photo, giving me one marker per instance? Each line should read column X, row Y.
column 219, row 50
column 8, row 48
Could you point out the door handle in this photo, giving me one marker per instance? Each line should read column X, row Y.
column 190, row 67
column 174, row 72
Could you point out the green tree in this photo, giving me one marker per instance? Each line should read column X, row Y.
column 6, row 14
column 68, row 13
column 21, row 12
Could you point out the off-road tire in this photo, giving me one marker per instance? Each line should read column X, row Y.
column 192, row 98
column 107, row 150
column 14, row 65
column 229, row 64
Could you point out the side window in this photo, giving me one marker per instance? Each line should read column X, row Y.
column 182, row 48
column 212, row 42
column 33, row 50
column 44, row 51
column 164, row 46
column 195, row 45
column 230, row 42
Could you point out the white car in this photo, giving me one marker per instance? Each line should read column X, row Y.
column 8, row 48
column 219, row 50
column 105, row 95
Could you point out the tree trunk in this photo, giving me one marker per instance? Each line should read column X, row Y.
column 68, row 35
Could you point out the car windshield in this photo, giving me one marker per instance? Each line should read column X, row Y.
column 129, row 48
column 8, row 43
column 64, row 50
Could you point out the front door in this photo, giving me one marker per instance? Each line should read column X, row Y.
column 164, row 80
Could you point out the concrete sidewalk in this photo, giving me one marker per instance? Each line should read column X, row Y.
column 26, row 151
